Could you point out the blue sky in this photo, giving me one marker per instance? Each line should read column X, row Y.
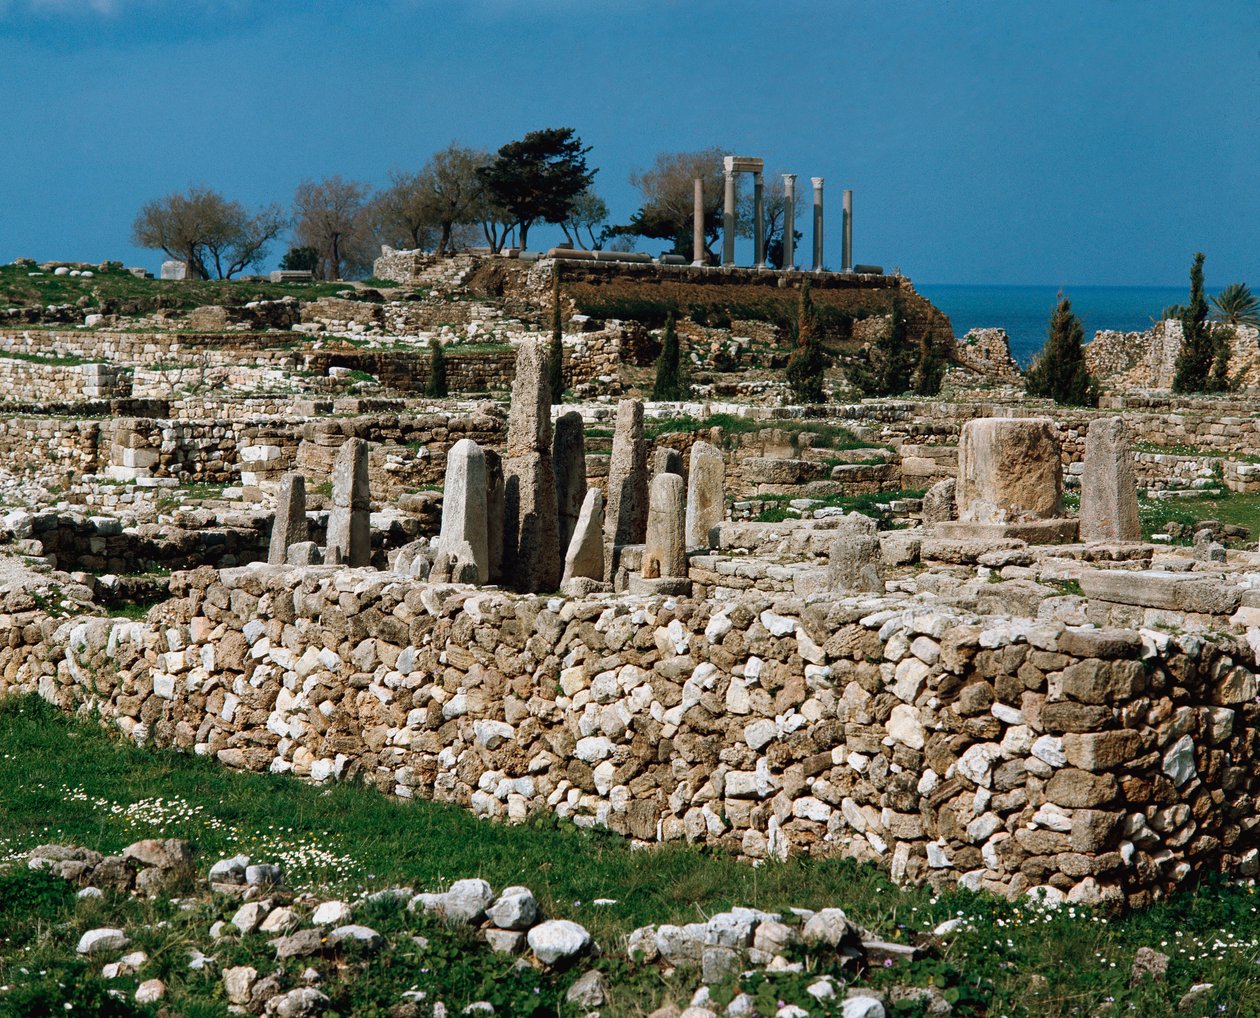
column 1057, row 142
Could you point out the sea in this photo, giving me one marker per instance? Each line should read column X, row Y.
column 1024, row 311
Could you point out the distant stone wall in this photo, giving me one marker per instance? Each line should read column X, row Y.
column 23, row 380
column 1108, row 764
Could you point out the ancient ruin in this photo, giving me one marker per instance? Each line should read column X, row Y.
column 673, row 624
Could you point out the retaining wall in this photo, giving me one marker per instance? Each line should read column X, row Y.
column 1109, row 764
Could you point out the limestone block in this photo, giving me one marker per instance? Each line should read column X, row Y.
column 1009, row 471
column 1109, row 506
column 665, row 554
column 531, row 540
column 568, row 459
column 289, row 527
column 464, row 523
column 585, row 555
column 706, row 495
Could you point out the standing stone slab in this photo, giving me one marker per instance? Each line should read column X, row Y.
column 349, row 522
column 568, row 459
column 1009, row 471
column 627, row 484
column 494, row 513
column 464, row 528
column 665, row 553
column 289, row 527
column 706, row 495
column 531, row 534
column 856, row 561
column 1109, row 506
column 531, row 540
column 529, row 418
column 585, row 554
column 938, row 502
column 667, row 461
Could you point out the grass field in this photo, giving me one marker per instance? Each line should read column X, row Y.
column 71, row 782
column 18, row 288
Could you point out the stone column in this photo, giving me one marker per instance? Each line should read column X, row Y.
column 465, row 534
column 818, row 222
column 728, row 220
column 789, row 220
column 706, row 495
column 759, row 227
column 1109, row 506
column 289, row 527
column 349, row 522
column 697, row 225
column 846, row 253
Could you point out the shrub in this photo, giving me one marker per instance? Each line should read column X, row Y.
column 436, row 385
column 669, row 383
column 807, row 362
column 1059, row 371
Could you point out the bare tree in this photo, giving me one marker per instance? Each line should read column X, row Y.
column 668, row 190
column 453, row 188
column 180, row 224
column 331, row 215
column 401, row 213
column 240, row 239
column 588, row 212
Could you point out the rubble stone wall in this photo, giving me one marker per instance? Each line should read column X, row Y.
column 1109, row 764
column 37, row 382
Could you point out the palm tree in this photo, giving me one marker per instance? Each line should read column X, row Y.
column 1236, row 305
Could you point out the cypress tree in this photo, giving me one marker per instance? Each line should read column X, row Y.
column 890, row 363
column 555, row 356
column 1059, row 371
column 436, row 385
column 669, row 383
column 930, row 372
column 807, row 362
column 1198, row 351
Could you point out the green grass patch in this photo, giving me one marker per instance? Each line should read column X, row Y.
column 117, row 286
column 872, row 505
column 1230, row 508
column 53, row 360
column 731, row 426
column 71, row 781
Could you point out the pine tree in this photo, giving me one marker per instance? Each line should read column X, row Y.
column 807, row 362
column 890, row 362
column 669, row 383
column 436, row 385
column 1059, row 371
column 1198, row 351
column 555, row 356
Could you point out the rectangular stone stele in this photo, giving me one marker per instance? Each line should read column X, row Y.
column 1109, row 504
column 289, row 527
column 706, row 495
column 349, row 521
column 531, row 536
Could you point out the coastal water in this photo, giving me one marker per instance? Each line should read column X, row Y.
column 1024, row 311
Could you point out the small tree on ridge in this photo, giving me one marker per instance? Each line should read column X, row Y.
column 1059, row 371
column 807, row 361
